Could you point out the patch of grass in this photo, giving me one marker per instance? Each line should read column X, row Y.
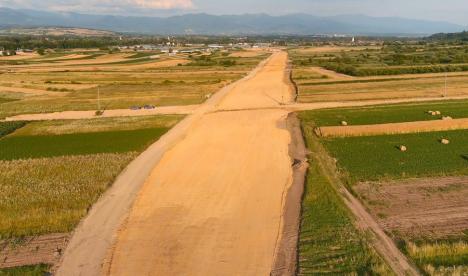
column 377, row 157
column 21, row 147
column 329, row 243
column 430, row 256
column 387, row 113
column 51, row 195
column 9, row 127
column 33, row 270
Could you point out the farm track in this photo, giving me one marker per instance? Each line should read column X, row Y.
column 394, row 128
column 189, row 109
column 90, row 114
column 211, row 172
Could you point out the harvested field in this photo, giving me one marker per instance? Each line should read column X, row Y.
column 429, row 208
column 59, row 127
column 330, row 74
column 388, row 113
column 51, row 195
column 334, row 49
column 247, row 54
column 123, row 80
column 393, row 128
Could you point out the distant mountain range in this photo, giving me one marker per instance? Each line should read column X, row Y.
column 248, row 24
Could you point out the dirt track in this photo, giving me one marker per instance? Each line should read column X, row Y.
column 69, row 115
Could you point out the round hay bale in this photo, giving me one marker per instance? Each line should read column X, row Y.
column 403, row 148
column 445, row 141
column 447, row 118
column 433, row 113
column 344, row 123
column 430, row 112
column 438, row 113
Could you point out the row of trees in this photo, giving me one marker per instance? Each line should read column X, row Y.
column 380, row 71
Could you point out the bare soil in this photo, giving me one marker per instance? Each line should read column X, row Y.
column 394, row 128
column 228, row 198
column 429, row 208
column 45, row 249
column 91, row 114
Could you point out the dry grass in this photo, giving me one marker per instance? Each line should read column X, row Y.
column 443, row 258
column 71, row 84
column 60, row 127
column 51, row 195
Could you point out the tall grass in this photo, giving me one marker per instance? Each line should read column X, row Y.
column 51, row 195
column 439, row 254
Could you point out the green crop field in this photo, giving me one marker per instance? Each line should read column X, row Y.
column 388, row 113
column 9, row 127
column 378, row 157
column 329, row 243
column 22, row 147
column 34, row 270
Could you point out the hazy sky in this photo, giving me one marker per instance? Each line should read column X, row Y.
column 455, row 11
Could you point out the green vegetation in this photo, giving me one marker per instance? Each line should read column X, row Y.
column 20, row 147
column 9, row 127
column 33, row 270
column 378, row 157
column 393, row 58
column 388, row 113
column 329, row 243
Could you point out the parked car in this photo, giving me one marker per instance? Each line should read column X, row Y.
column 148, row 106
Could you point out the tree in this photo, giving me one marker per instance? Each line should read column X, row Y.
column 41, row 51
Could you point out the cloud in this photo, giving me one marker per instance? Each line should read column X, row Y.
column 101, row 6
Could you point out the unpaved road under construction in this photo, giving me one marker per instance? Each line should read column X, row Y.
column 209, row 198
column 213, row 204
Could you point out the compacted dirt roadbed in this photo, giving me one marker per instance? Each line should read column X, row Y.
column 212, row 196
column 213, row 204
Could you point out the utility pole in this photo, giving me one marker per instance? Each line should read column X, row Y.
column 445, row 89
column 99, row 99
